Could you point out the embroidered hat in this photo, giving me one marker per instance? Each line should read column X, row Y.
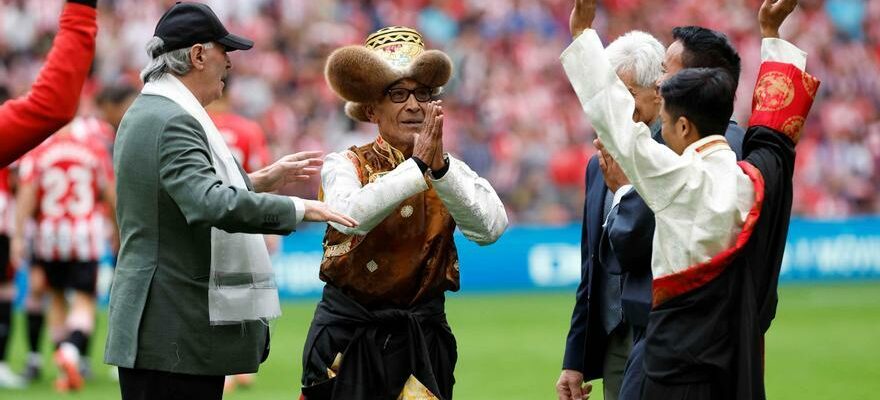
column 362, row 74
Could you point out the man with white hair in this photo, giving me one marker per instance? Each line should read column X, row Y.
column 194, row 285
column 614, row 297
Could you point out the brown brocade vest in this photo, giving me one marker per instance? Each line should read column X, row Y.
column 410, row 257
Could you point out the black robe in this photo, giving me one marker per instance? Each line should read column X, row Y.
column 708, row 343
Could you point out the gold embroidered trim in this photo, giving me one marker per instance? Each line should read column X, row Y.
column 337, row 250
column 415, row 390
column 393, row 34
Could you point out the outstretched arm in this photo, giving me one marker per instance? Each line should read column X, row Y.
column 655, row 170
column 54, row 96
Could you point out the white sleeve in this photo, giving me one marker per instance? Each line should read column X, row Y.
column 472, row 202
column 372, row 203
column 656, row 171
column 299, row 206
column 779, row 50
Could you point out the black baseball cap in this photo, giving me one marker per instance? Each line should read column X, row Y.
column 186, row 24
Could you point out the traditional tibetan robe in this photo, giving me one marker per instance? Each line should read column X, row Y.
column 720, row 225
column 409, row 256
column 380, row 330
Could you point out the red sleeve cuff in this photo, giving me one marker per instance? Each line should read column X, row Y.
column 783, row 97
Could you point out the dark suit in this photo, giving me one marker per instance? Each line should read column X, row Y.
column 629, row 232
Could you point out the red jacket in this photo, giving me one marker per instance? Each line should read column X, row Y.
column 54, row 97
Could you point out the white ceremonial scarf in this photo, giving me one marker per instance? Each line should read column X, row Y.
column 241, row 286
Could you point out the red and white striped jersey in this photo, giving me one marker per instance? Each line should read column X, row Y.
column 7, row 201
column 245, row 139
column 93, row 130
column 70, row 171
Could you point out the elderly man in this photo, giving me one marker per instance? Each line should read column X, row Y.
column 611, row 310
column 53, row 99
column 720, row 225
column 194, row 285
column 380, row 330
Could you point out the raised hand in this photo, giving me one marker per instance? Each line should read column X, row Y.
column 437, row 134
column 318, row 211
column 582, row 16
column 772, row 14
column 429, row 142
column 290, row 168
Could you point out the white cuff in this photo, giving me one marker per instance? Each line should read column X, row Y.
column 779, row 50
column 299, row 207
column 618, row 195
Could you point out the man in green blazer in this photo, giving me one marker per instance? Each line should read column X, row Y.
column 193, row 286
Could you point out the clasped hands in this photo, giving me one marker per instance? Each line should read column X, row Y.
column 428, row 145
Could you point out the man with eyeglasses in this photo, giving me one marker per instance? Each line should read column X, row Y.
column 380, row 329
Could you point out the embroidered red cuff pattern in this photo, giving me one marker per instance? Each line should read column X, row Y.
column 783, row 97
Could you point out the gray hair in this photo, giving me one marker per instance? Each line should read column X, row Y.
column 637, row 53
column 176, row 62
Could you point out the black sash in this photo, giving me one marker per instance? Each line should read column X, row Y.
column 364, row 373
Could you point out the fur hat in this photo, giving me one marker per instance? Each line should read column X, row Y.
column 361, row 74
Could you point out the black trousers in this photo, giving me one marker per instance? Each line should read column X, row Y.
column 145, row 384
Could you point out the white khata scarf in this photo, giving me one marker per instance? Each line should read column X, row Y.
column 241, row 286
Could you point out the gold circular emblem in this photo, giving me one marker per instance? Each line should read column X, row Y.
column 773, row 92
column 793, row 127
column 406, row 211
column 811, row 84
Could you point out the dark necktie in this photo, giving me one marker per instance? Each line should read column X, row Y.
column 610, row 311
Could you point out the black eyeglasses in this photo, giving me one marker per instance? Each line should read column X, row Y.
column 401, row 95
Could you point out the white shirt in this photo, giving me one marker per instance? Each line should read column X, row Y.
column 470, row 200
column 700, row 199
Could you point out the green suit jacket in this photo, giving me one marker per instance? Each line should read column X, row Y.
column 169, row 197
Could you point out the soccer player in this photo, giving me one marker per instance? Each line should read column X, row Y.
column 64, row 184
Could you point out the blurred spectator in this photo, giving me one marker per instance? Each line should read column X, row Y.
column 511, row 112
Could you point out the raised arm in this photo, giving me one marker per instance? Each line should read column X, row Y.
column 54, row 96
column 784, row 92
column 655, row 170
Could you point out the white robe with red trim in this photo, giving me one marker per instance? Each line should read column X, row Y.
column 701, row 198
column 720, row 226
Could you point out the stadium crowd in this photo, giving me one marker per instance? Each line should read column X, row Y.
column 511, row 114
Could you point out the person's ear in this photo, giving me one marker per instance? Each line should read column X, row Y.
column 682, row 126
column 656, row 98
column 370, row 112
column 197, row 56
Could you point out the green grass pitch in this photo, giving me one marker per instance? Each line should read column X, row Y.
column 824, row 344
